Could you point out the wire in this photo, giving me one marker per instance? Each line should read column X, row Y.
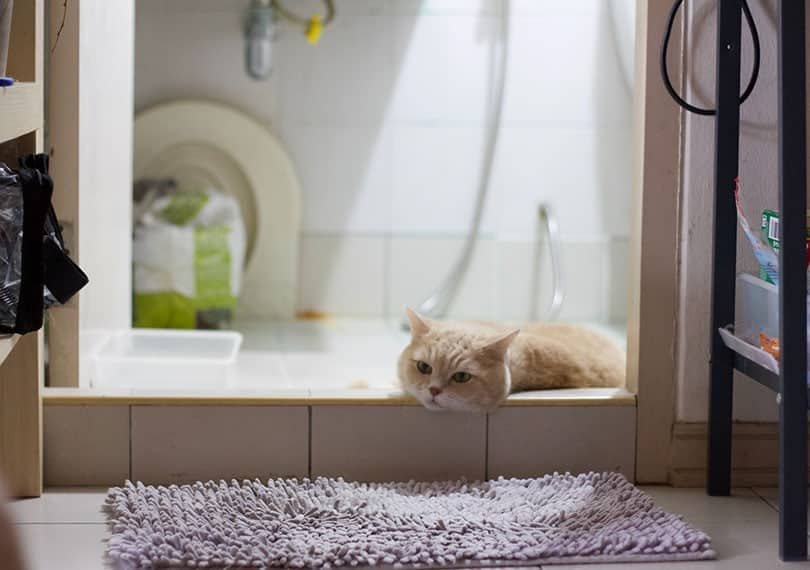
column 301, row 21
column 752, row 26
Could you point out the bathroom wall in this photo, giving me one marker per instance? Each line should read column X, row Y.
column 385, row 120
column 759, row 183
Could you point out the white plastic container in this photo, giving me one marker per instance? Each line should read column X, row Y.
column 154, row 359
column 757, row 309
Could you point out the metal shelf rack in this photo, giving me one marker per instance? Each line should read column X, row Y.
column 791, row 382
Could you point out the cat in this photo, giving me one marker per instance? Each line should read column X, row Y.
column 475, row 366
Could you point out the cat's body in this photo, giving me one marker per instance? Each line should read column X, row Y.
column 475, row 366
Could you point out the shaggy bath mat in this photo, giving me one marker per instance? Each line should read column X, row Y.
column 595, row 517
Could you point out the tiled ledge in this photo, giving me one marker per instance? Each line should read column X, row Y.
column 157, row 443
column 321, row 397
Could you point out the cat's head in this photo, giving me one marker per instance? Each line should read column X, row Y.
column 455, row 366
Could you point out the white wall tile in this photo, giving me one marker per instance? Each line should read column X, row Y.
column 342, row 274
column 617, row 279
column 345, row 79
column 563, row 66
column 345, row 177
column 582, row 173
column 547, row 8
column 443, row 67
column 174, row 444
column 199, row 54
column 584, row 281
column 418, row 267
column 444, row 7
column 85, row 445
column 533, row 441
column 435, row 180
column 368, row 443
column 525, row 280
column 160, row 7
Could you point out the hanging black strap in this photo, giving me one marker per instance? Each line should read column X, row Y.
column 63, row 277
column 37, row 190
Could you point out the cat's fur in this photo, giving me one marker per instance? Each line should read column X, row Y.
column 502, row 361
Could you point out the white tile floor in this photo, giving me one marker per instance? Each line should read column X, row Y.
column 331, row 354
column 66, row 530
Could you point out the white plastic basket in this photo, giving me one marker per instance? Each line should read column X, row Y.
column 155, row 359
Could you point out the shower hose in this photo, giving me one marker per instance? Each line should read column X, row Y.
column 436, row 304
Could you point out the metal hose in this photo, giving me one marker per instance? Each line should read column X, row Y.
column 436, row 305
column 546, row 215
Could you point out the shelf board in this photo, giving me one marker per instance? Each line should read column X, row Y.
column 7, row 343
column 20, row 110
column 758, row 373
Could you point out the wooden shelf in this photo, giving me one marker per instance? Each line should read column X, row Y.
column 20, row 110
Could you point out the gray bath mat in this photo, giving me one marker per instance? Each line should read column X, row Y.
column 595, row 517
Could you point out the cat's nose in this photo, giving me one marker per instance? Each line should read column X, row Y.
column 434, row 391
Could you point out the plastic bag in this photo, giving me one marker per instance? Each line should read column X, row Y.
column 765, row 255
column 11, row 213
column 35, row 270
column 188, row 255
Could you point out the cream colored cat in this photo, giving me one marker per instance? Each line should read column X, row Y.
column 475, row 366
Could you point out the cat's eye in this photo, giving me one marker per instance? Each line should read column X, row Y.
column 423, row 367
column 461, row 377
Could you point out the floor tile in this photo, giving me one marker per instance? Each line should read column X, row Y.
column 62, row 505
column 64, row 546
column 740, row 545
column 694, row 504
column 769, row 494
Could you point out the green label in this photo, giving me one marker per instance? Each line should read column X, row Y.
column 212, row 268
column 769, row 230
column 184, row 207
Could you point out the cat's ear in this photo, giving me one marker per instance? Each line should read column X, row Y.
column 499, row 345
column 420, row 326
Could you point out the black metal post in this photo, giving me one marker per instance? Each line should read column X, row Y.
column 792, row 283
column 726, row 149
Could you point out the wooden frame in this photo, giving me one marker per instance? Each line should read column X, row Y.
column 85, row 155
column 21, row 371
column 653, row 306
column 63, row 144
column 654, row 292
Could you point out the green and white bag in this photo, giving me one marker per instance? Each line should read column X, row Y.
column 188, row 254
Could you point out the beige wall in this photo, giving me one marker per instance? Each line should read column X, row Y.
column 758, row 175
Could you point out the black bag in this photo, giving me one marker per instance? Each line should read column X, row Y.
column 35, row 270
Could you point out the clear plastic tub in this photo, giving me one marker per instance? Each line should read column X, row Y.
column 173, row 360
